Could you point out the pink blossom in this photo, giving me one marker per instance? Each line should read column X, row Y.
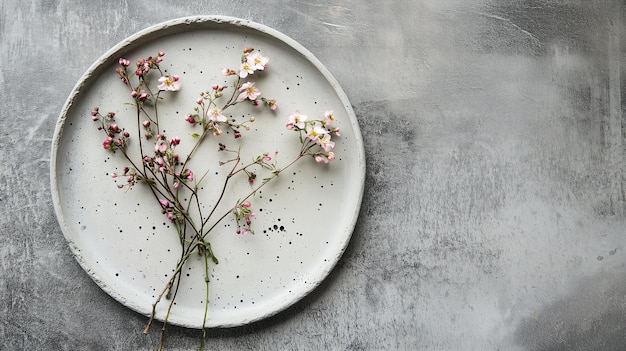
column 245, row 69
column 170, row 83
column 216, row 115
column 248, row 91
column 228, row 72
column 328, row 118
column 160, row 147
column 146, row 123
column 315, row 132
column 324, row 158
column 164, row 202
column 272, row 104
column 296, row 119
column 325, row 143
column 175, row 141
column 257, row 61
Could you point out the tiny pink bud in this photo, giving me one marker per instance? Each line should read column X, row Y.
column 127, row 134
column 164, row 202
column 146, row 123
column 190, row 119
column 246, row 204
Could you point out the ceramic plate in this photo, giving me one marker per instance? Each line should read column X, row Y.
column 304, row 219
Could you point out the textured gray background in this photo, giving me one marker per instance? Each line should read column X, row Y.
column 493, row 215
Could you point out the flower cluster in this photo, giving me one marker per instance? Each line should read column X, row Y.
column 243, row 213
column 140, row 92
column 315, row 133
column 116, row 137
column 167, row 173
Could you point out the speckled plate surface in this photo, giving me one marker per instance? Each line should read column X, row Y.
column 304, row 219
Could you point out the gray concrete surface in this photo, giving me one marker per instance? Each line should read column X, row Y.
column 493, row 216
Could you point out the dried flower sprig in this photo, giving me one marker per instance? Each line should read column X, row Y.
column 174, row 185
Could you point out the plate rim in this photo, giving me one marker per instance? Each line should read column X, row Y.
column 178, row 24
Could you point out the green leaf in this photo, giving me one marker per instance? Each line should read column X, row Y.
column 195, row 135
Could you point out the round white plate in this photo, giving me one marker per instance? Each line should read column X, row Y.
column 304, row 218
